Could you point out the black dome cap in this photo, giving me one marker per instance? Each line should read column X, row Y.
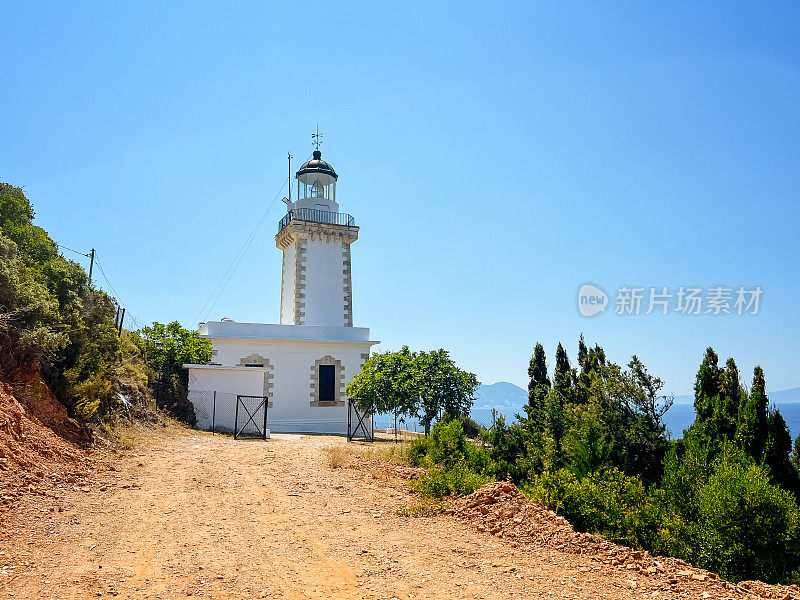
column 317, row 165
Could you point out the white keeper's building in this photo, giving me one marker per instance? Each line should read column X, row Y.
column 302, row 365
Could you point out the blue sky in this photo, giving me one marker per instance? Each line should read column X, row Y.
column 496, row 156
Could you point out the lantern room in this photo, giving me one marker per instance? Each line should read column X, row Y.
column 316, row 180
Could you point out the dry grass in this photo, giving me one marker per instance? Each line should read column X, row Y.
column 337, row 456
column 383, row 451
column 380, row 451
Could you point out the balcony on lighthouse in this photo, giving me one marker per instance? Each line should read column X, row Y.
column 316, row 196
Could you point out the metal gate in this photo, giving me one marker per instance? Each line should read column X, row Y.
column 359, row 423
column 251, row 417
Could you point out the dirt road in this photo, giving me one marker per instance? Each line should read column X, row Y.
column 188, row 515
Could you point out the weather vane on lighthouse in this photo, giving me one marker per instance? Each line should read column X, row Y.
column 316, row 138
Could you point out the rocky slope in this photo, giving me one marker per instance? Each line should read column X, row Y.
column 500, row 509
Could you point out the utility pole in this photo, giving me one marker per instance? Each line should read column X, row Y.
column 290, row 176
column 91, row 266
column 121, row 319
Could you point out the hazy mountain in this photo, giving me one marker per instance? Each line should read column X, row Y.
column 502, row 395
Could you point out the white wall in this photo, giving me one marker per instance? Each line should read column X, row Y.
column 292, row 360
column 324, row 283
column 227, row 383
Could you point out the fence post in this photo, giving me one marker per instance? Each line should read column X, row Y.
column 266, row 406
column 236, row 419
column 213, row 412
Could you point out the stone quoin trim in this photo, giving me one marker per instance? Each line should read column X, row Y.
column 269, row 374
column 338, row 390
column 300, row 283
column 283, row 282
column 347, row 285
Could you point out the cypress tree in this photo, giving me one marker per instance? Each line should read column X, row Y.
column 726, row 410
column 777, row 453
column 583, row 353
column 753, row 426
column 562, row 378
column 537, row 370
column 707, row 386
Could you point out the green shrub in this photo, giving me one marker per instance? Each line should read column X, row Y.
column 472, row 429
column 447, row 444
column 607, row 502
column 455, row 465
column 417, row 452
column 455, row 481
column 736, row 524
column 507, row 451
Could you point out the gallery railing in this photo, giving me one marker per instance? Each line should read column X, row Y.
column 316, row 216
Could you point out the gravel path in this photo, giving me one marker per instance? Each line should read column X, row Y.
column 186, row 514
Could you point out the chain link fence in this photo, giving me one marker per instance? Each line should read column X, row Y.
column 216, row 411
column 485, row 417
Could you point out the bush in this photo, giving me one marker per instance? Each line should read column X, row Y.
column 455, row 465
column 417, row 452
column 606, row 502
column 472, row 429
column 507, row 451
column 737, row 524
column 456, row 481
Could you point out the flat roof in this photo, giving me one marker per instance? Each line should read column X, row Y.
column 274, row 331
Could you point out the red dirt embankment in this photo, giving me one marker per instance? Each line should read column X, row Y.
column 39, row 443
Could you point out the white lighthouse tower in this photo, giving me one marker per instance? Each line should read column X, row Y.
column 298, row 369
column 316, row 288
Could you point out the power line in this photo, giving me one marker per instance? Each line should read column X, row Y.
column 237, row 259
column 118, row 297
column 60, row 246
column 139, row 324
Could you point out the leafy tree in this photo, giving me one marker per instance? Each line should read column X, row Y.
column 166, row 348
column 428, row 385
column 643, row 433
column 387, row 383
column 29, row 316
column 50, row 316
column 718, row 404
column 443, row 387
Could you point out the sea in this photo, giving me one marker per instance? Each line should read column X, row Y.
column 681, row 416
column 678, row 418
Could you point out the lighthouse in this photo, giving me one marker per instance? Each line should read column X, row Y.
column 315, row 237
column 292, row 375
